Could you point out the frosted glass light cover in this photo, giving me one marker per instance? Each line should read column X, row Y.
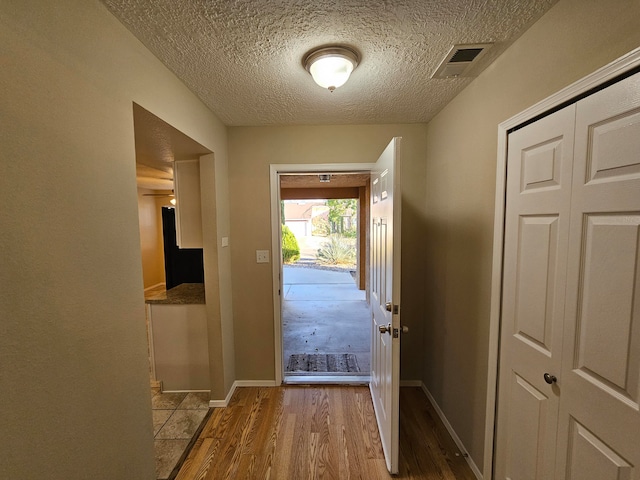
column 331, row 71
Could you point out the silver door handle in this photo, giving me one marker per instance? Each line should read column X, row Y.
column 385, row 328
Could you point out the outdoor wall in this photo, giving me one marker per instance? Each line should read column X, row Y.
column 252, row 150
column 73, row 351
column 572, row 40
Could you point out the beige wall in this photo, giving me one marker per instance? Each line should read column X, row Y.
column 72, row 337
column 214, row 191
column 572, row 40
column 252, row 150
column 73, row 351
column 151, row 240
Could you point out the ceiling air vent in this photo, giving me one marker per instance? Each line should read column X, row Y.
column 460, row 59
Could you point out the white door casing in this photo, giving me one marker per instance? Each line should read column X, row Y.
column 385, row 298
column 571, row 294
column 275, row 170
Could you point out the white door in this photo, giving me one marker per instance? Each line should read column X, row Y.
column 571, row 295
column 599, row 423
column 534, row 278
column 385, row 298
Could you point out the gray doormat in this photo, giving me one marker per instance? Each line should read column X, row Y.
column 333, row 362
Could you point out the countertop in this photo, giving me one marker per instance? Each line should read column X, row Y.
column 184, row 294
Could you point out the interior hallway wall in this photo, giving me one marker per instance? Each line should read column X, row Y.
column 151, row 240
column 252, row 150
column 573, row 39
column 73, row 350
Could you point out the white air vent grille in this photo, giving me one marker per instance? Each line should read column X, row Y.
column 460, row 59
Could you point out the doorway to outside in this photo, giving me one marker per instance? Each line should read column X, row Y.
column 325, row 315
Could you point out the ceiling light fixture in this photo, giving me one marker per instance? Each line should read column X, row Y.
column 331, row 67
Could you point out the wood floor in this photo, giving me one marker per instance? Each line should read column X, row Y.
column 329, row 432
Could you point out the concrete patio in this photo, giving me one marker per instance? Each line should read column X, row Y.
column 325, row 313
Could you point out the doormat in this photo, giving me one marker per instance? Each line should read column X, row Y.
column 333, row 362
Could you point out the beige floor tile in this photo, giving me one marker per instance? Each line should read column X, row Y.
column 182, row 424
column 168, row 452
column 167, row 401
column 159, row 419
column 195, row 401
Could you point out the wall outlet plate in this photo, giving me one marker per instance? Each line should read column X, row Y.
column 262, row 256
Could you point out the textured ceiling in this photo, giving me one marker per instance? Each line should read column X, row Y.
column 158, row 144
column 243, row 58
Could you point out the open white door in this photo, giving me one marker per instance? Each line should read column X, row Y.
column 385, row 298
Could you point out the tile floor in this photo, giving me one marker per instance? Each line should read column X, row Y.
column 177, row 418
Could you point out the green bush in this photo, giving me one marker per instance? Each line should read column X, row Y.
column 290, row 247
column 337, row 250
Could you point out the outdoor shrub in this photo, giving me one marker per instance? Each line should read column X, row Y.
column 321, row 227
column 337, row 250
column 290, row 247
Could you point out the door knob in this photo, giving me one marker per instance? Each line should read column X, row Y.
column 404, row 329
column 388, row 306
column 385, row 328
column 550, row 378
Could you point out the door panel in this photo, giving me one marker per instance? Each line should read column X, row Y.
column 605, row 353
column 591, row 458
column 526, row 425
column 601, row 374
column 385, row 291
column 535, row 287
column 536, row 242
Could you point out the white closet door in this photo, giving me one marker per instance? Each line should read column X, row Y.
column 599, row 421
column 536, row 242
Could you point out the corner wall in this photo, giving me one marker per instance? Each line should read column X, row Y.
column 73, row 351
column 572, row 40
column 253, row 150
column 151, row 240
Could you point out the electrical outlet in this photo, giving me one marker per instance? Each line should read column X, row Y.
column 262, row 256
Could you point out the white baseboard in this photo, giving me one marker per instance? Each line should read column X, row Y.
column 452, row 432
column 185, row 391
column 255, row 383
column 240, row 383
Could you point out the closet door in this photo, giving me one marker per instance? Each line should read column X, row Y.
column 536, row 243
column 599, row 420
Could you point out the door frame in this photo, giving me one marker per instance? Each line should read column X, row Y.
column 275, row 170
column 570, row 94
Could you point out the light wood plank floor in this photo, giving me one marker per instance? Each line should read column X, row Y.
column 299, row 433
